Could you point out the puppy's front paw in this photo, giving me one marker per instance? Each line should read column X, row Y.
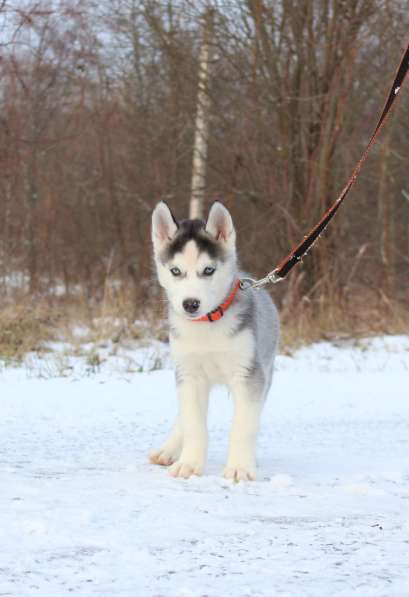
column 162, row 456
column 185, row 469
column 240, row 473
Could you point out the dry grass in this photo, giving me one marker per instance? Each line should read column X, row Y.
column 27, row 326
column 24, row 329
column 362, row 313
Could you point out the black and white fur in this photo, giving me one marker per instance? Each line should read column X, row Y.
column 197, row 266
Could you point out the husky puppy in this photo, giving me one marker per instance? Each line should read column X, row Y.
column 219, row 334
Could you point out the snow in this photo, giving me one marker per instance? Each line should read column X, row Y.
column 83, row 512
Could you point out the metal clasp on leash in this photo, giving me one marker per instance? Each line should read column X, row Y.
column 271, row 278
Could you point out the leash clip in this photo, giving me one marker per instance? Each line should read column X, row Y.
column 270, row 278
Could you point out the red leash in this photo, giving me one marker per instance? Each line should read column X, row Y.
column 300, row 250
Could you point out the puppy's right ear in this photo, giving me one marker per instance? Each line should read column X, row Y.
column 164, row 226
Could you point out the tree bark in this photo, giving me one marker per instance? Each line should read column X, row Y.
column 202, row 123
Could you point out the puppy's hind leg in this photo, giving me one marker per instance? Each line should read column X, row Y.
column 171, row 449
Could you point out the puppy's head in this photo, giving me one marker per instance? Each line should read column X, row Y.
column 195, row 260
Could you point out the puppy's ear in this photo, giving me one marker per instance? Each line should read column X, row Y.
column 220, row 224
column 164, row 225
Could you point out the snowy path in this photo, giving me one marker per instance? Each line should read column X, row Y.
column 82, row 511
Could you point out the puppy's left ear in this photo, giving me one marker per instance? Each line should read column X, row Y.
column 220, row 224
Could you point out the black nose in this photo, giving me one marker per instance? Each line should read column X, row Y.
column 191, row 305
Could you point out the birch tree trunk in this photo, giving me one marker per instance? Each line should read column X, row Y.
column 202, row 123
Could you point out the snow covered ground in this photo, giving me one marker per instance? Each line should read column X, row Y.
column 83, row 512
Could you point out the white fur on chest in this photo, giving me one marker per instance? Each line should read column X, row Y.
column 211, row 350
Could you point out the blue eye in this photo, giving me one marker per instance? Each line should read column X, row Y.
column 209, row 271
column 175, row 271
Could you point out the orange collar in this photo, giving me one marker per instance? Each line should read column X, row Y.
column 218, row 313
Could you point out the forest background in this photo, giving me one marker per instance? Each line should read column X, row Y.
column 97, row 120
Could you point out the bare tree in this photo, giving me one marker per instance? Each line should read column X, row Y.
column 202, row 121
column 98, row 113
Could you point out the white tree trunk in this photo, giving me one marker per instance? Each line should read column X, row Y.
column 202, row 124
